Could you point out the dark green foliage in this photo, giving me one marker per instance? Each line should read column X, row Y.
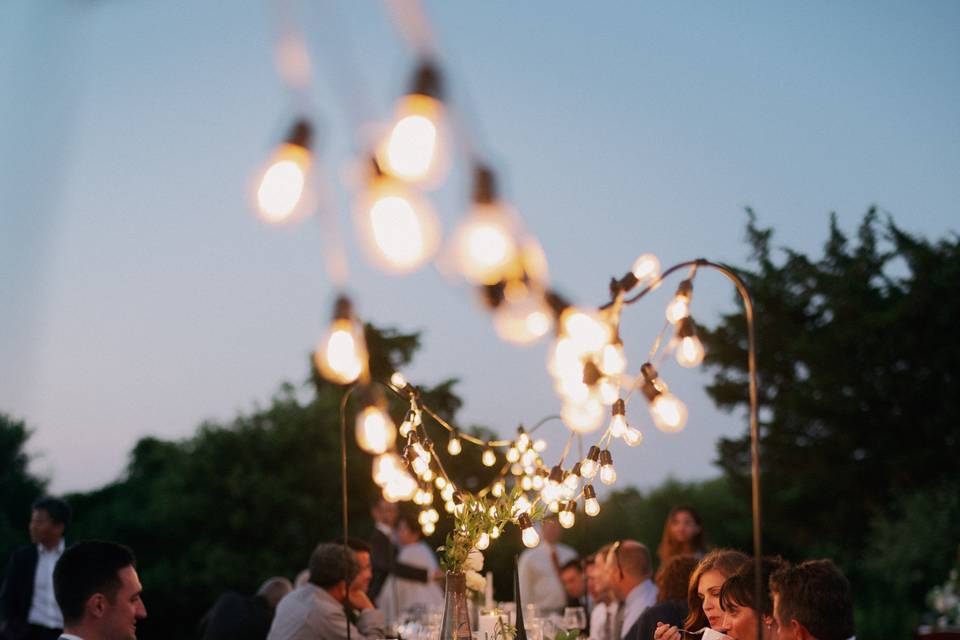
column 858, row 384
column 17, row 486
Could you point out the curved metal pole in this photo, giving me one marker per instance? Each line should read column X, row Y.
column 744, row 292
column 343, row 482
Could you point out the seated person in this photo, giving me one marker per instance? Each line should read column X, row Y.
column 671, row 607
column 737, row 599
column 237, row 617
column 315, row 611
column 812, row 601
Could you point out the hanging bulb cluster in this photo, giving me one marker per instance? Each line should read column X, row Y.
column 341, row 356
column 668, row 412
column 282, row 190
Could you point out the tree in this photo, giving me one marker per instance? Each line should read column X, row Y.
column 858, row 382
column 18, row 486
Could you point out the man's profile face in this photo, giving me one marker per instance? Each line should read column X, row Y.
column 386, row 513
column 784, row 632
column 572, row 580
column 43, row 530
column 120, row 616
column 362, row 580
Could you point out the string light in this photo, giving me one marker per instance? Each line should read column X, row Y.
column 551, row 490
column 608, row 475
column 591, row 506
column 528, row 534
column 572, row 481
column 375, row 430
column 341, row 357
column 399, row 230
column 413, row 149
column 523, row 316
column 488, row 458
column 282, row 185
column 689, row 349
column 567, row 517
column 618, row 420
column 633, row 436
column 591, row 463
column 484, row 246
column 397, row 380
column 483, row 541
column 494, row 532
column 613, row 361
column 582, row 417
column 453, row 445
column 587, row 330
column 646, row 267
column 668, row 412
column 679, row 307
column 513, row 454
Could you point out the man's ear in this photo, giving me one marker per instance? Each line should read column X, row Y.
column 800, row 632
column 96, row 605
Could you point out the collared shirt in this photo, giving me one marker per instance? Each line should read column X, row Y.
column 311, row 613
column 603, row 619
column 43, row 607
column 539, row 578
column 640, row 597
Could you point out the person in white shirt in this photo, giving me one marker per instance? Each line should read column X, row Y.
column 629, row 571
column 603, row 615
column 98, row 591
column 539, row 569
column 26, row 596
column 401, row 594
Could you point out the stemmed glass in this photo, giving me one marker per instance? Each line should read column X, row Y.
column 574, row 618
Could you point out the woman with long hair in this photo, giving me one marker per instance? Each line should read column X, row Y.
column 703, row 593
column 682, row 534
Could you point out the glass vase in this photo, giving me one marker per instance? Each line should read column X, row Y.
column 455, row 624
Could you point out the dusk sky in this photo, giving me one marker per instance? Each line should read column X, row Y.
column 142, row 295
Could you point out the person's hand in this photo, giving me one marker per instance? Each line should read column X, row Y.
column 359, row 600
column 666, row 632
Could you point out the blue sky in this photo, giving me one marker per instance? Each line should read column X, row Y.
column 143, row 296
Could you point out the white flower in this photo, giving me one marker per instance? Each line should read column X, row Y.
column 475, row 581
column 474, row 561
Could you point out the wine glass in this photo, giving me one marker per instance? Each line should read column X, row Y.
column 574, row 618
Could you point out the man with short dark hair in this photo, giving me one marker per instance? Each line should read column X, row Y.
column 99, row 592
column 571, row 575
column 26, row 598
column 812, row 601
column 629, row 571
column 317, row 610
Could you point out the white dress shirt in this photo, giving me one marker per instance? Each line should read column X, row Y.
column 43, row 607
column 603, row 620
column 640, row 597
column 539, row 579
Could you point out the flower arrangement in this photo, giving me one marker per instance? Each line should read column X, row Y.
column 478, row 520
column 945, row 601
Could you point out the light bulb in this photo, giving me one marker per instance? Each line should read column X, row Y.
column 536, row 482
column 669, row 413
column 526, row 483
column 679, row 307
column 397, row 380
column 539, row 445
column 520, row 505
column 497, row 490
column 419, row 465
column 608, row 390
column 427, row 475
column 590, row 464
column 565, row 360
column 376, row 432
column 489, row 458
column 434, row 516
column 494, row 532
column 618, row 425
column 423, row 518
column 591, row 506
column 582, row 418
column 483, row 541
column 341, row 356
column 399, row 230
column 572, row 481
column 528, row 534
column 413, row 148
column 448, row 506
column 633, row 437
column 428, row 529
column 512, row 454
column 567, row 517
column 689, row 348
column 613, row 361
column 401, row 487
column 484, row 245
column 453, row 446
column 385, row 467
column 528, row 458
column 440, row 482
column 588, row 330
column 281, row 187
column 447, row 492
column 523, row 320
column 608, row 475
column 646, row 267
